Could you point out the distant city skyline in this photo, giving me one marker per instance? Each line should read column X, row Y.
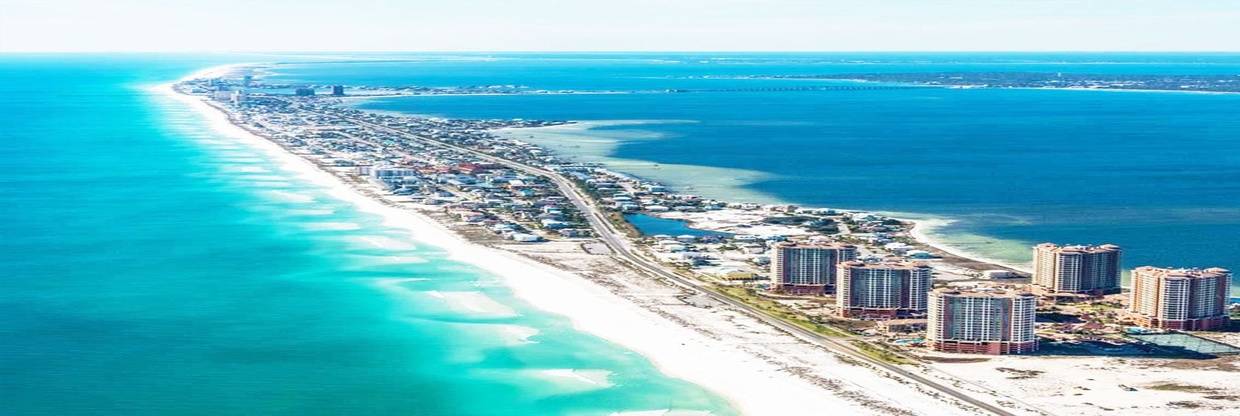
column 639, row 25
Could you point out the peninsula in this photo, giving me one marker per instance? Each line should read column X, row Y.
column 753, row 321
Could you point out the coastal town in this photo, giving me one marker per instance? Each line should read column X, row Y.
column 863, row 285
column 1182, row 82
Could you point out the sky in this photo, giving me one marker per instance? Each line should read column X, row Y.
column 618, row 25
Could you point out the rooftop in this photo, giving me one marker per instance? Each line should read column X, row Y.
column 1185, row 273
column 981, row 292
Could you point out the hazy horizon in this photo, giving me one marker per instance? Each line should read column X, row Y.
column 603, row 52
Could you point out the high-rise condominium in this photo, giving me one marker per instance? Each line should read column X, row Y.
column 1183, row 299
column 882, row 290
column 808, row 268
column 981, row 322
column 1091, row 270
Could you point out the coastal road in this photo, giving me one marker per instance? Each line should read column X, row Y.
column 620, row 245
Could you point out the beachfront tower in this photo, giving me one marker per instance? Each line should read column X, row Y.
column 881, row 291
column 981, row 322
column 1084, row 270
column 338, row 90
column 1182, row 299
column 808, row 268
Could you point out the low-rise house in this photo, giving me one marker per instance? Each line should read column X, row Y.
column 525, row 238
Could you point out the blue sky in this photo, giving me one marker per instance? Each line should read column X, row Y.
column 633, row 25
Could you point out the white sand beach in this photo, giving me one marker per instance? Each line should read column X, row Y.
column 1103, row 385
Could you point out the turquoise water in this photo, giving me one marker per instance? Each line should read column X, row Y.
column 651, row 225
column 1157, row 173
column 150, row 266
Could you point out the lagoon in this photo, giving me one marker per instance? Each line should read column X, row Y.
column 651, row 225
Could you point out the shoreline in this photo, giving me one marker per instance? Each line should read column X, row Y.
column 921, row 231
column 923, row 228
column 213, row 72
column 748, row 384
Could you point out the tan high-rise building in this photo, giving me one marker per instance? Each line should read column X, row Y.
column 1091, row 270
column 1183, row 299
column 808, row 268
column 881, row 291
column 981, row 322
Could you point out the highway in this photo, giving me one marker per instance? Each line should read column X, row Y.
column 619, row 244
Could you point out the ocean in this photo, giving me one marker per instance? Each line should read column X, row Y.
column 1155, row 172
column 152, row 266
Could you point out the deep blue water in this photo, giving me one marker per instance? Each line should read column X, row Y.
column 151, row 266
column 1158, row 173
